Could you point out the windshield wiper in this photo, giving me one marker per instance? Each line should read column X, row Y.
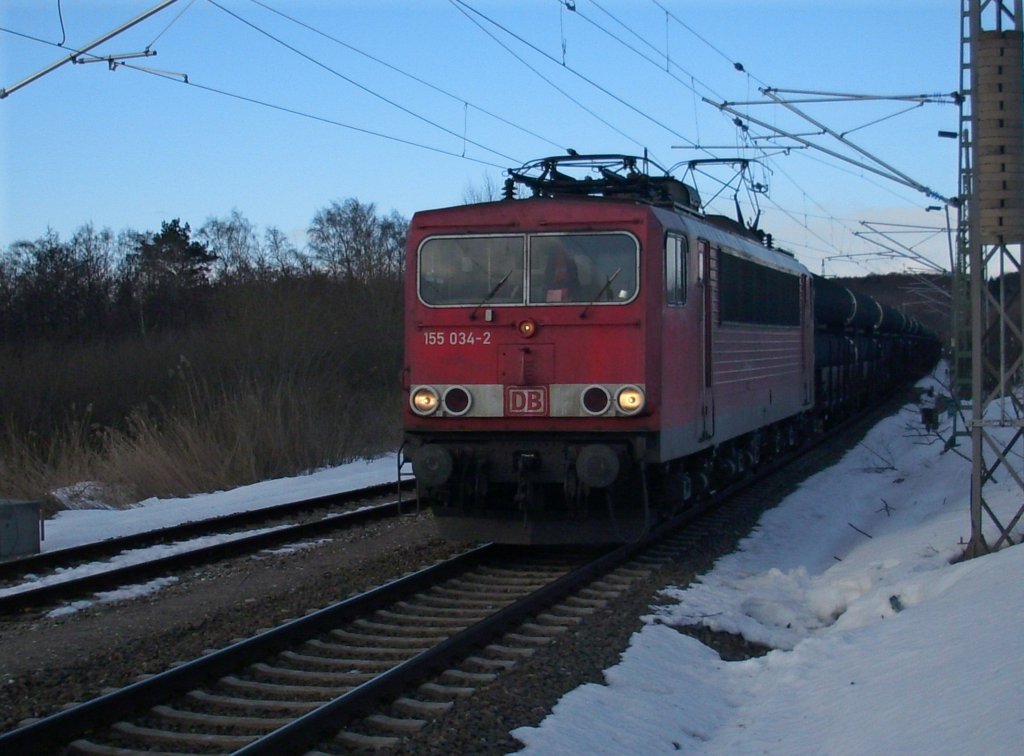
column 491, row 293
column 607, row 285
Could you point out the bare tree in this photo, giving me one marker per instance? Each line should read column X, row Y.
column 352, row 242
column 281, row 255
column 56, row 289
column 488, row 191
column 234, row 242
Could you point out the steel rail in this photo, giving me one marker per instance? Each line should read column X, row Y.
column 48, row 594
column 58, row 729
column 303, row 733
column 48, row 560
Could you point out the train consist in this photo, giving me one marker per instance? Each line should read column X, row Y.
column 584, row 360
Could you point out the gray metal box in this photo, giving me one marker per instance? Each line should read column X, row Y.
column 19, row 528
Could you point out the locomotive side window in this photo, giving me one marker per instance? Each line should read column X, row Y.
column 469, row 270
column 752, row 293
column 582, row 268
column 675, row 269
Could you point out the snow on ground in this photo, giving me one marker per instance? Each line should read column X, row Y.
column 881, row 645
column 76, row 526
column 120, row 594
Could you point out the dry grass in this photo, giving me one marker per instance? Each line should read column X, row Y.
column 250, row 433
column 31, row 466
column 287, row 379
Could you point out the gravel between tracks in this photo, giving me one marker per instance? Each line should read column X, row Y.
column 45, row 663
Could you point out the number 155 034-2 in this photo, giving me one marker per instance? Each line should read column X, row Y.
column 456, row 338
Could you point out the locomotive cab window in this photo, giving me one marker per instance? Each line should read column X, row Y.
column 675, row 269
column 582, row 268
column 753, row 293
column 586, row 268
column 468, row 270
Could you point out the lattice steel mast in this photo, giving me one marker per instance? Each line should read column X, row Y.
column 991, row 232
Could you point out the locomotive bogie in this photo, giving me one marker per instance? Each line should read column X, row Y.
column 532, row 488
column 595, row 461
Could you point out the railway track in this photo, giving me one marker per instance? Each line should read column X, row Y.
column 289, row 684
column 371, row 670
column 255, row 530
column 377, row 670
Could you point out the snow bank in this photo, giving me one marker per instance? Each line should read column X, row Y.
column 881, row 644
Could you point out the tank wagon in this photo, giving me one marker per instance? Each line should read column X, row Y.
column 587, row 358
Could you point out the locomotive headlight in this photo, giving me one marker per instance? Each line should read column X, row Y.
column 424, row 400
column 630, row 400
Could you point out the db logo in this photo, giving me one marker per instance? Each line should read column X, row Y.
column 526, row 401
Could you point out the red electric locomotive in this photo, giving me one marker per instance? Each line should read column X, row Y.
column 583, row 360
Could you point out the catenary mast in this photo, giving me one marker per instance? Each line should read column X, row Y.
column 991, row 233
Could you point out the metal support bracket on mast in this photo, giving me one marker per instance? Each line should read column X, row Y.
column 74, row 56
column 875, row 165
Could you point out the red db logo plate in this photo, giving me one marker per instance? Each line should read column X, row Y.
column 531, row 400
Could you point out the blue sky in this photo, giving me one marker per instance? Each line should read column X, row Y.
column 128, row 149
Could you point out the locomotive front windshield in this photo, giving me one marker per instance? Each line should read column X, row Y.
column 534, row 269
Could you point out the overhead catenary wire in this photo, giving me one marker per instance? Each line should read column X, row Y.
column 171, row 23
column 669, row 64
column 257, row 2
column 735, row 65
column 86, row 56
column 466, row 12
column 838, row 166
column 85, row 48
column 886, row 171
column 358, row 85
column 180, row 79
column 413, row 77
column 743, row 69
column 63, row 32
column 692, row 88
column 575, row 8
column 645, row 50
column 621, row 100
